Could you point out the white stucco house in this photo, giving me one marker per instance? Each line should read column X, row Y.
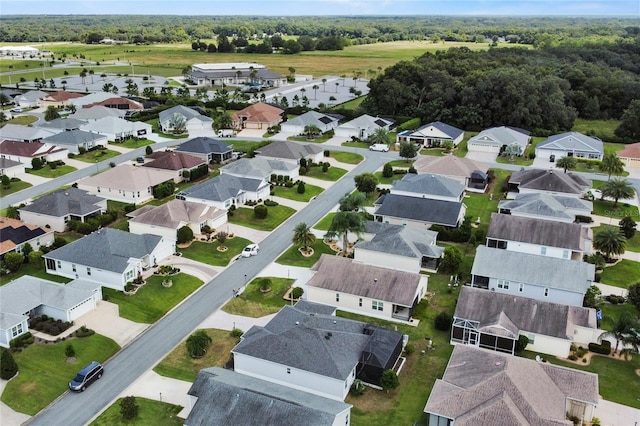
column 11, row 168
column 570, row 144
column 194, row 122
column 16, row 234
column 324, row 122
column 496, row 139
column 362, row 127
column 261, row 168
column 225, row 190
column 546, row 207
column 432, row 135
column 117, row 129
column 291, row 151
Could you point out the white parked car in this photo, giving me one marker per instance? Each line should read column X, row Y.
column 379, row 147
column 16, row 109
column 597, row 194
column 250, row 250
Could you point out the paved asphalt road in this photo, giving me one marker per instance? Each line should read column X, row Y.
column 144, row 352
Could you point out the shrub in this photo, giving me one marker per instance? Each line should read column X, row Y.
column 270, row 203
column 129, row 208
column 13, row 261
column 325, row 167
column 615, row 299
column 583, row 219
column 413, row 170
column 603, row 348
column 301, row 187
column 522, row 343
column 69, row 351
column 443, row 321
column 389, row 380
column 327, row 153
column 84, row 332
column 409, row 349
column 303, row 171
column 236, row 333
column 8, row 366
column 573, row 357
column 198, row 343
column 297, row 292
column 260, row 212
column 129, row 408
column 358, row 387
column 184, row 235
column 148, row 150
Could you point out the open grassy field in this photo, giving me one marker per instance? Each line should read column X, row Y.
column 603, row 128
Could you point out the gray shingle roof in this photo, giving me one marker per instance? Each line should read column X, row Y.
column 534, row 231
column 343, row 275
column 313, row 118
column 546, row 205
column 108, row 249
column 289, row 150
column 222, row 188
column 229, row 398
column 448, row 165
column 398, row 239
column 481, row 387
column 64, row 202
column 573, row 141
column 570, row 275
column 62, row 123
column 96, row 112
column 420, row 209
column 204, row 145
column 257, row 167
column 73, row 138
column 535, row 316
column 550, row 180
column 429, row 185
column 500, row 136
column 186, row 112
column 176, row 212
column 449, row 130
column 17, row 132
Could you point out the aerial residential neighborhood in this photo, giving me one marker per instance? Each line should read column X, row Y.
column 212, row 240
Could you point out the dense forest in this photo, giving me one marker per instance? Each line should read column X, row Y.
column 546, row 88
column 364, row 29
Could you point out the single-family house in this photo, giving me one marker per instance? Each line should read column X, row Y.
column 19, row 51
column 209, row 149
column 62, row 124
column 435, row 187
column 19, row 133
column 194, row 122
column 118, row 102
column 257, row 116
column 10, row 168
column 261, row 168
column 545, row 278
column 546, row 206
column 97, row 113
column 497, row 139
column 472, row 174
column 375, row 291
column 178, row 162
column 55, row 209
column 481, row 387
column 109, row 257
column 432, row 135
column 495, row 321
column 126, row 183
column 630, row 155
column 324, row 122
column 535, row 236
column 398, row 247
column 225, row 191
column 117, row 129
column 292, row 151
column 91, row 98
column 570, row 144
column 24, row 153
column 362, row 127
column 225, row 397
column 317, row 353
column 28, row 296
column 166, row 219
column 15, row 234
column 30, row 99
column 58, row 99
column 73, row 140
column 550, row 182
column 234, row 73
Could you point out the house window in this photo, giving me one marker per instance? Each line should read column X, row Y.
column 59, row 265
column 360, row 302
column 73, row 267
column 521, row 288
column 532, row 339
column 377, row 306
column 546, row 292
column 503, row 284
column 129, row 275
column 543, row 251
column 88, row 271
column 565, row 254
column 17, row 330
column 337, row 297
column 288, row 371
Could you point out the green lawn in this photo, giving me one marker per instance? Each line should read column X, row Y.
column 603, row 129
column 623, row 274
column 133, row 143
column 277, row 214
column 150, row 413
column 633, row 244
column 611, row 313
column 617, row 379
column 387, row 181
column 325, row 222
column 48, row 172
column 319, row 139
column 156, row 129
column 356, row 145
column 606, row 208
column 434, row 152
column 45, row 374
column 23, row 120
column 96, row 156
column 347, row 157
column 402, row 164
column 332, row 173
column 179, row 365
column 208, row 252
column 153, row 300
column 14, row 187
column 254, row 303
column 482, row 205
column 28, row 269
column 247, row 146
column 292, row 193
column 293, row 257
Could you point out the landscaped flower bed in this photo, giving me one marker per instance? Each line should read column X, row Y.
column 49, row 325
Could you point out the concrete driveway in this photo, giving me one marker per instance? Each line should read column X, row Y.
column 106, row 320
column 483, row 157
column 612, row 414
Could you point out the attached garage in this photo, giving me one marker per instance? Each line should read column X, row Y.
column 630, row 155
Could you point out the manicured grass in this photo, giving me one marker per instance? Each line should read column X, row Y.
column 325, row 222
column 292, row 193
column 45, row 374
column 208, row 252
column 22, row 120
column 153, row 300
column 434, row 152
column 347, row 157
column 277, row 214
column 254, row 303
column 319, row 139
column 606, row 208
column 14, row 187
column 352, row 104
column 617, row 378
column 179, row 364
column 611, row 313
column 293, row 257
column 355, row 145
column 133, row 143
column 246, row 146
column 150, row 413
column 482, row 205
column 623, row 274
column 156, row 129
column 332, row 173
column 633, row 244
column 29, row 269
column 403, row 164
column 461, row 149
column 48, row 172
column 388, row 181
column 96, row 156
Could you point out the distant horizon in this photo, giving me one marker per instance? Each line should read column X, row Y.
column 327, row 8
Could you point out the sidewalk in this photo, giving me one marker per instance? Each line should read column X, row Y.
column 9, row 417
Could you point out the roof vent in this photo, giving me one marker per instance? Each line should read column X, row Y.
column 498, row 363
column 297, row 322
column 329, row 334
column 335, row 322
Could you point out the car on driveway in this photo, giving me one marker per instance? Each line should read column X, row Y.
column 250, row 250
column 86, row 376
column 596, row 193
column 17, row 109
column 381, row 147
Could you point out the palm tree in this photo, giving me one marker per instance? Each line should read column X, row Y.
column 315, row 88
column 625, row 326
column 379, row 136
column 311, row 130
column 303, row 236
column 566, row 163
column 617, row 189
column 337, row 84
column 324, row 82
column 91, row 72
column 343, row 223
column 51, row 113
column 10, row 72
column 631, row 342
column 610, row 241
column 611, row 164
column 352, row 202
